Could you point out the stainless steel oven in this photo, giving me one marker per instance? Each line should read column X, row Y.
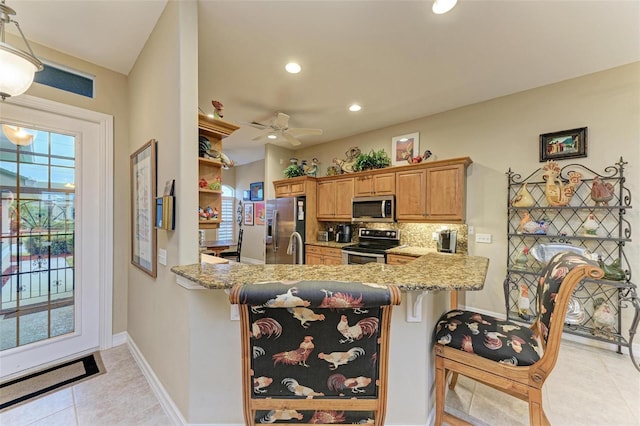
column 372, row 246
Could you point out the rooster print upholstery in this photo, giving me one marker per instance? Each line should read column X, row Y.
column 505, row 341
column 315, row 340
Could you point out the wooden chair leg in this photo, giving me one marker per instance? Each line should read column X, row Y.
column 454, row 380
column 536, row 411
column 440, row 391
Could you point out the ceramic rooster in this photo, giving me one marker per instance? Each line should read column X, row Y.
column 591, row 226
column 524, row 310
column 601, row 192
column 612, row 272
column 557, row 192
column 603, row 318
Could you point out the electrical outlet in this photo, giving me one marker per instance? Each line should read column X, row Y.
column 483, row 238
column 471, row 229
column 434, row 236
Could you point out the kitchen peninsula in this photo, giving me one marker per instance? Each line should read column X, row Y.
column 430, row 272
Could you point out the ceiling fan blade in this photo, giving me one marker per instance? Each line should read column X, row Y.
column 262, row 135
column 292, row 140
column 300, row 131
column 256, row 125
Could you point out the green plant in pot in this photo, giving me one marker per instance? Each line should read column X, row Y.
column 293, row 171
column 372, row 160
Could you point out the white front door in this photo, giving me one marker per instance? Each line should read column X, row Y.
column 56, row 234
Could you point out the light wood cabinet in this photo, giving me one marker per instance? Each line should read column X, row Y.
column 433, row 192
column 399, row 259
column 375, row 184
column 294, row 186
column 318, row 255
column 334, row 198
column 211, row 170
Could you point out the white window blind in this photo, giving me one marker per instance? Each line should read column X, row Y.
column 227, row 226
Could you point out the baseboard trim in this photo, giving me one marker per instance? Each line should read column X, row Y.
column 169, row 407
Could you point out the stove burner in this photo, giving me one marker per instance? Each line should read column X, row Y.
column 375, row 241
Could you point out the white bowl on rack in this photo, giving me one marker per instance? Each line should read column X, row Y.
column 543, row 253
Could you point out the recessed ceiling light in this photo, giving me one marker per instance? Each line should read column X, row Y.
column 355, row 108
column 272, row 137
column 443, row 6
column 293, row 68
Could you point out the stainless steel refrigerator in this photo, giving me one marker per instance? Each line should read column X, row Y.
column 285, row 217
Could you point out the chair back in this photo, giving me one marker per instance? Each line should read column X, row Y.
column 549, row 291
column 314, row 351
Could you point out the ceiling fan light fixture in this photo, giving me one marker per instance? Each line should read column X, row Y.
column 443, row 6
column 293, row 68
column 355, row 108
column 18, row 67
column 272, row 137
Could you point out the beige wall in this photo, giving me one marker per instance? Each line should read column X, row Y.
column 110, row 98
column 276, row 159
column 253, row 239
column 503, row 133
column 163, row 104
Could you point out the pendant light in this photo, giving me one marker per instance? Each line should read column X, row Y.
column 17, row 67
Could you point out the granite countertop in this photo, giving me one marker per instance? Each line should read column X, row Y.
column 432, row 271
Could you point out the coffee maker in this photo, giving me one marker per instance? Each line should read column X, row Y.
column 447, row 240
column 343, row 233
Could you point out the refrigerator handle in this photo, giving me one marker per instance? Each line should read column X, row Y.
column 275, row 231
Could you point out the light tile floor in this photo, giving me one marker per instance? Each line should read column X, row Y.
column 588, row 387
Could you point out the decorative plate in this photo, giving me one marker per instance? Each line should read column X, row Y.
column 544, row 252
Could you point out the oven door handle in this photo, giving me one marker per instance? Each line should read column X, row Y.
column 357, row 253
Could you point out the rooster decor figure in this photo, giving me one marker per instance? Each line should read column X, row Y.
column 336, row 359
column 217, row 109
column 266, row 327
column 524, row 305
column 603, row 318
column 327, row 417
column 556, row 191
column 365, row 327
column 305, row 316
column 286, row 300
column 341, row 300
column 296, row 356
column 274, row 415
column 338, row 382
column 260, row 383
column 601, row 192
column 298, row 389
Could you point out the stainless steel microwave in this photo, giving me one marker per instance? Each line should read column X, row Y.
column 373, row 209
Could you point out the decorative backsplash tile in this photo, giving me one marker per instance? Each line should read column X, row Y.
column 417, row 234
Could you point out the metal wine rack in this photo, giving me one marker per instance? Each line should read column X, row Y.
column 566, row 225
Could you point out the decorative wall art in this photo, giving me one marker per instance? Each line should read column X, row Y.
column 564, row 144
column 257, row 191
column 143, row 192
column 259, row 213
column 404, row 148
column 248, row 214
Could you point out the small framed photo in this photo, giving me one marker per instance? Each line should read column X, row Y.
column 257, row 191
column 248, row 214
column 246, row 195
column 404, row 147
column 563, row 145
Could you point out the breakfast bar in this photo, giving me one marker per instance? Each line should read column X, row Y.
column 430, row 272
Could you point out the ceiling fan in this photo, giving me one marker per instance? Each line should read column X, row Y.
column 279, row 125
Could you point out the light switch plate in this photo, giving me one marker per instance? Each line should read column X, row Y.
column 162, row 257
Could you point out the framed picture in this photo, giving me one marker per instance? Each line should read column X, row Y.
column 563, row 145
column 248, row 214
column 246, row 195
column 404, row 147
column 143, row 193
column 257, row 191
column 259, row 213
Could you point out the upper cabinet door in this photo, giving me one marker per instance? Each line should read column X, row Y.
column 446, row 193
column 411, row 193
column 375, row 184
